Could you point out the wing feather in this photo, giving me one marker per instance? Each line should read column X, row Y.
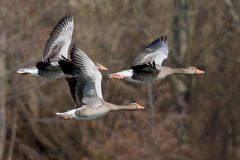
column 83, row 86
column 59, row 40
column 156, row 51
column 150, row 67
column 80, row 59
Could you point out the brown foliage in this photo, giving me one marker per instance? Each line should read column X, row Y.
column 206, row 126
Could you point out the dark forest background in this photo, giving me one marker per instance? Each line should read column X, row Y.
column 186, row 117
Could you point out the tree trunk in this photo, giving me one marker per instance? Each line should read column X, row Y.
column 151, row 104
column 2, row 96
column 182, row 84
column 180, row 32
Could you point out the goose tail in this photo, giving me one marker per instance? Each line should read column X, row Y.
column 28, row 71
column 65, row 115
column 125, row 73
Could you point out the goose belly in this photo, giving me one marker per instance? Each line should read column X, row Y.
column 51, row 74
column 88, row 113
column 144, row 77
column 134, row 81
column 90, row 117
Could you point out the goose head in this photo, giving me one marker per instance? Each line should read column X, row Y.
column 101, row 67
column 194, row 70
column 135, row 106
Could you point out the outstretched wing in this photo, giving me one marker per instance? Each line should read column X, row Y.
column 89, row 69
column 59, row 40
column 86, row 93
column 156, row 51
column 83, row 92
column 149, row 67
column 82, row 86
column 72, row 83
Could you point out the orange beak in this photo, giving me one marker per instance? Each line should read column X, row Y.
column 198, row 71
column 103, row 68
column 140, row 107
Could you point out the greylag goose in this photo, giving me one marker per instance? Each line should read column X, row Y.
column 86, row 89
column 56, row 46
column 148, row 65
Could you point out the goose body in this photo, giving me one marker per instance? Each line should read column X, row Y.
column 85, row 112
column 148, row 77
column 85, row 87
column 148, row 65
column 50, row 74
column 56, row 46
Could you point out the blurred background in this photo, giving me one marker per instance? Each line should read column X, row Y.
column 186, row 117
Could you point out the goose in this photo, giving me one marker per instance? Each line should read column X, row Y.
column 56, row 46
column 148, row 65
column 86, row 89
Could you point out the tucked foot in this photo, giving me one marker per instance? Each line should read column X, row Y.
column 61, row 116
column 116, row 76
column 66, row 118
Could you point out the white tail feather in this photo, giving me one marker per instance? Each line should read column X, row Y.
column 127, row 73
column 32, row 70
column 68, row 114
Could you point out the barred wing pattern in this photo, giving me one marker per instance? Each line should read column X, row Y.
column 59, row 40
column 80, row 59
column 82, row 89
column 156, row 51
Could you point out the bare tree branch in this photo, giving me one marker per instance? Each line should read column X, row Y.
column 2, row 96
column 13, row 137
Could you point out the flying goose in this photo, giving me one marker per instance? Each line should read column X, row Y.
column 86, row 89
column 148, row 65
column 57, row 45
